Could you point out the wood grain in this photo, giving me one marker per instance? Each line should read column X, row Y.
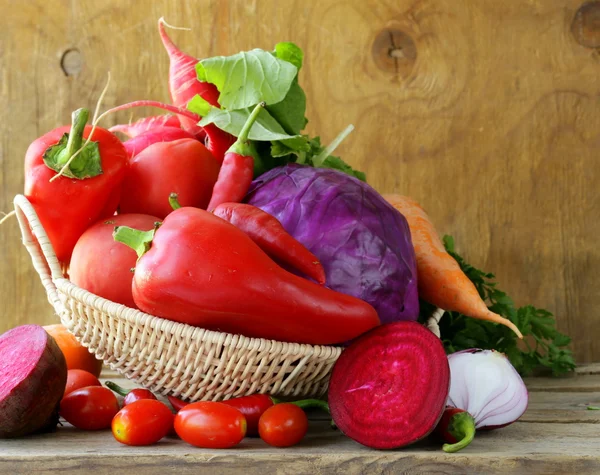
column 556, row 435
column 486, row 112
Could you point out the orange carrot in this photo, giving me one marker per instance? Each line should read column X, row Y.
column 441, row 281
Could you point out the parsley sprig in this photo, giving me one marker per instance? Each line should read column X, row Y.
column 542, row 346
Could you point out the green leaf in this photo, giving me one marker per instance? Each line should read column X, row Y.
column 338, row 164
column 290, row 112
column 199, row 105
column 460, row 332
column 247, row 78
column 290, row 52
column 266, row 128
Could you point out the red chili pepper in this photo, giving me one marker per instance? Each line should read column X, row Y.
column 238, row 166
column 177, row 403
column 207, row 273
column 266, row 231
column 89, row 187
column 457, row 428
column 132, row 395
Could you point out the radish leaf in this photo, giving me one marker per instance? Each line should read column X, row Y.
column 266, row 128
column 247, row 78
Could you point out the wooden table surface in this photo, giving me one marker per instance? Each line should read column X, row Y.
column 557, row 434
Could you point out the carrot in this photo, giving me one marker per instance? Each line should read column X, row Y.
column 145, row 124
column 440, row 279
column 184, row 85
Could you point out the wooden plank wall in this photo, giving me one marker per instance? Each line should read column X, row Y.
column 487, row 112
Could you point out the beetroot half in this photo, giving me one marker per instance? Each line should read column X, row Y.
column 33, row 375
column 389, row 388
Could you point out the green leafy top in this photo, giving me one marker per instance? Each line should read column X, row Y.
column 543, row 345
column 247, row 78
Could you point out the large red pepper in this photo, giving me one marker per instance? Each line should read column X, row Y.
column 270, row 235
column 89, row 188
column 198, row 269
column 238, row 167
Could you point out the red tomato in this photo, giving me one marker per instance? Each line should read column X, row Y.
column 283, row 425
column 101, row 265
column 211, row 425
column 137, row 395
column 78, row 378
column 183, row 166
column 142, row 422
column 90, row 408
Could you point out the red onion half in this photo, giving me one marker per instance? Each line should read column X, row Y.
column 487, row 386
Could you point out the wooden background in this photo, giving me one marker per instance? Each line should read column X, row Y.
column 487, row 112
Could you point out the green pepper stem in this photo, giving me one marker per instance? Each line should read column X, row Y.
column 312, row 403
column 116, row 388
column 79, row 119
column 174, row 201
column 462, row 428
column 139, row 241
column 242, row 146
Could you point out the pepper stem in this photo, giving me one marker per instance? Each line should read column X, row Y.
column 139, row 241
column 312, row 403
column 78, row 120
column 116, row 388
column 462, row 428
column 174, row 201
column 242, row 146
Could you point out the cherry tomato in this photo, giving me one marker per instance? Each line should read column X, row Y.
column 142, row 422
column 138, row 395
column 78, row 378
column 283, row 425
column 211, row 425
column 90, row 408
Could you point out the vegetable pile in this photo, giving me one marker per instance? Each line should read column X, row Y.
column 225, row 215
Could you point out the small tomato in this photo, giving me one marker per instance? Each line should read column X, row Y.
column 142, row 422
column 90, row 408
column 283, row 425
column 210, row 425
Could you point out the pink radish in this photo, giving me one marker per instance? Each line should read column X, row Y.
column 152, row 136
column 184, row 85
column 389, row 388
column 146, row 124
column 33, row 376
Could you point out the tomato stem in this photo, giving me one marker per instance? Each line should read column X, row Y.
column 174, row 201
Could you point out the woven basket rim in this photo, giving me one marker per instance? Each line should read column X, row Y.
column 48, row 267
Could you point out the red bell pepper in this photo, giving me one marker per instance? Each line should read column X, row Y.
column 238, row 167
column 89, row 188
column 198, row 269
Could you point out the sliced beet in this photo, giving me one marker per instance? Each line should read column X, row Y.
column 33, row 375
column 389, row 388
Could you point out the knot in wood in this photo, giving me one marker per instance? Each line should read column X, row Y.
column 586, row 25
column 394, row 51
column 71, row 62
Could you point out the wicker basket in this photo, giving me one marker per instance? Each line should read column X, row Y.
column 169, row 357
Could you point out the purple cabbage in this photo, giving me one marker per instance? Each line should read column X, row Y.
column 362, row 241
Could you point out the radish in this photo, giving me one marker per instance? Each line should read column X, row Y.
column 146, row 124
column 158, row 134
column 389, row 388
column 184, row 85
column 33, row 376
